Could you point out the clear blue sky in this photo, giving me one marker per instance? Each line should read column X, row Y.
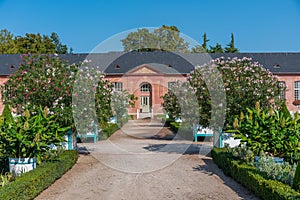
column 258, row 25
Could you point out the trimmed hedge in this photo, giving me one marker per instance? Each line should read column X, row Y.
column 32, row 183
column 252, row 178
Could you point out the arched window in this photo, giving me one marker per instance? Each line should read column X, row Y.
column 145, row 87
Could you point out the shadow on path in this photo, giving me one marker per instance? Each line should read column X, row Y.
column 210, row 168
column 180, row 148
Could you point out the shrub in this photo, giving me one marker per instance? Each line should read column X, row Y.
column 174, row 126
column 244, row 82
column 4, row 164
column 32, row 183
column 252, row 178
column 6, row 114
column 283, row 172
column 242, row 152
column 30, row 135
column 269, row 131
column 296, row 182
column 42, row 80
column 109, row 130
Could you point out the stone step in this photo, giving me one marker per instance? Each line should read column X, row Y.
column 144, row 115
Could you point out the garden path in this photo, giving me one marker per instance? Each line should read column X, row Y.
column 142, row 161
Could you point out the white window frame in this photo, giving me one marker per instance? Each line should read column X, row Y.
column 145, row 87
column 117, row 86
column 282, row 92
column 296, row 90
column 170, row 84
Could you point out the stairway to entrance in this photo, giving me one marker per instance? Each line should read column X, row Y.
column 144, row 115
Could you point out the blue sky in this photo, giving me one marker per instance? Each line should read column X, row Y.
column 258, row 25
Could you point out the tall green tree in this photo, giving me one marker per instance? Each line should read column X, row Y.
column 34, row 43
column 230, row 47
column 201, row 48
column 165, row 38
column 216, row 49
column 205, row 40
column 31, row 43
column 59, row 47
column 7, row 43
column 141, row 40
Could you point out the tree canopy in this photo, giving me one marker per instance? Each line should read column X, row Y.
column 31, row 43
column 165, row 38
column 168, row 38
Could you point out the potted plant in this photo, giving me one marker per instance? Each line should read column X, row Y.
column 27, row 138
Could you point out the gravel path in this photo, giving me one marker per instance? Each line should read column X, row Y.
column 135, row 163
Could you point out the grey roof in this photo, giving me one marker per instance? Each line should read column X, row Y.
column 277, row 63
column 162, row 68
column 9, row 63
column 120, row 62
column 130, row 60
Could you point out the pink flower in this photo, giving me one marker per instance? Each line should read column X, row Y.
column 56, row 88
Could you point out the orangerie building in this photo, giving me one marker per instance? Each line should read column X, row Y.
column 148, row 75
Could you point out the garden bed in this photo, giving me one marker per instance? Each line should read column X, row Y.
column 252, row 178
column 32, row 183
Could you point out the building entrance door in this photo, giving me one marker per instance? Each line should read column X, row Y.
column 145, row 104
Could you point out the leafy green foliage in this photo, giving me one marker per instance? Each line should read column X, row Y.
column 230, row 47
column 109, row 130
column 30, row 136
column 7, row 44
column 285, row 110
column 276, row 171
column 165, row 38
column 6, row 178
column 216, row 49
column 32, row 183
column 42, row 80
column 91, row 91
column 31, row 43
column 268, row 131
column 296, row 182
column 252, row 178
column 244, row 82
column 120, row 102
column 6, row 114
column 242, row 152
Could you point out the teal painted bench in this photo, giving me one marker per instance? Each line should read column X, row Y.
column 90, row 135
column 201, row 132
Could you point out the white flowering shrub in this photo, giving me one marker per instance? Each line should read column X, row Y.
column 245, row 82
column 91, row 99
column 42, row 80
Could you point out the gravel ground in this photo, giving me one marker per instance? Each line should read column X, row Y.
column 140, row 161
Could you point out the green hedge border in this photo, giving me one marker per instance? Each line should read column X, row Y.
column 32, row 183
column 251, row 178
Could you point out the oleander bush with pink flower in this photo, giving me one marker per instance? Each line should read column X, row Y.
column 244, row 82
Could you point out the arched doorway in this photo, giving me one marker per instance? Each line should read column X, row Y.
column 145, row 97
